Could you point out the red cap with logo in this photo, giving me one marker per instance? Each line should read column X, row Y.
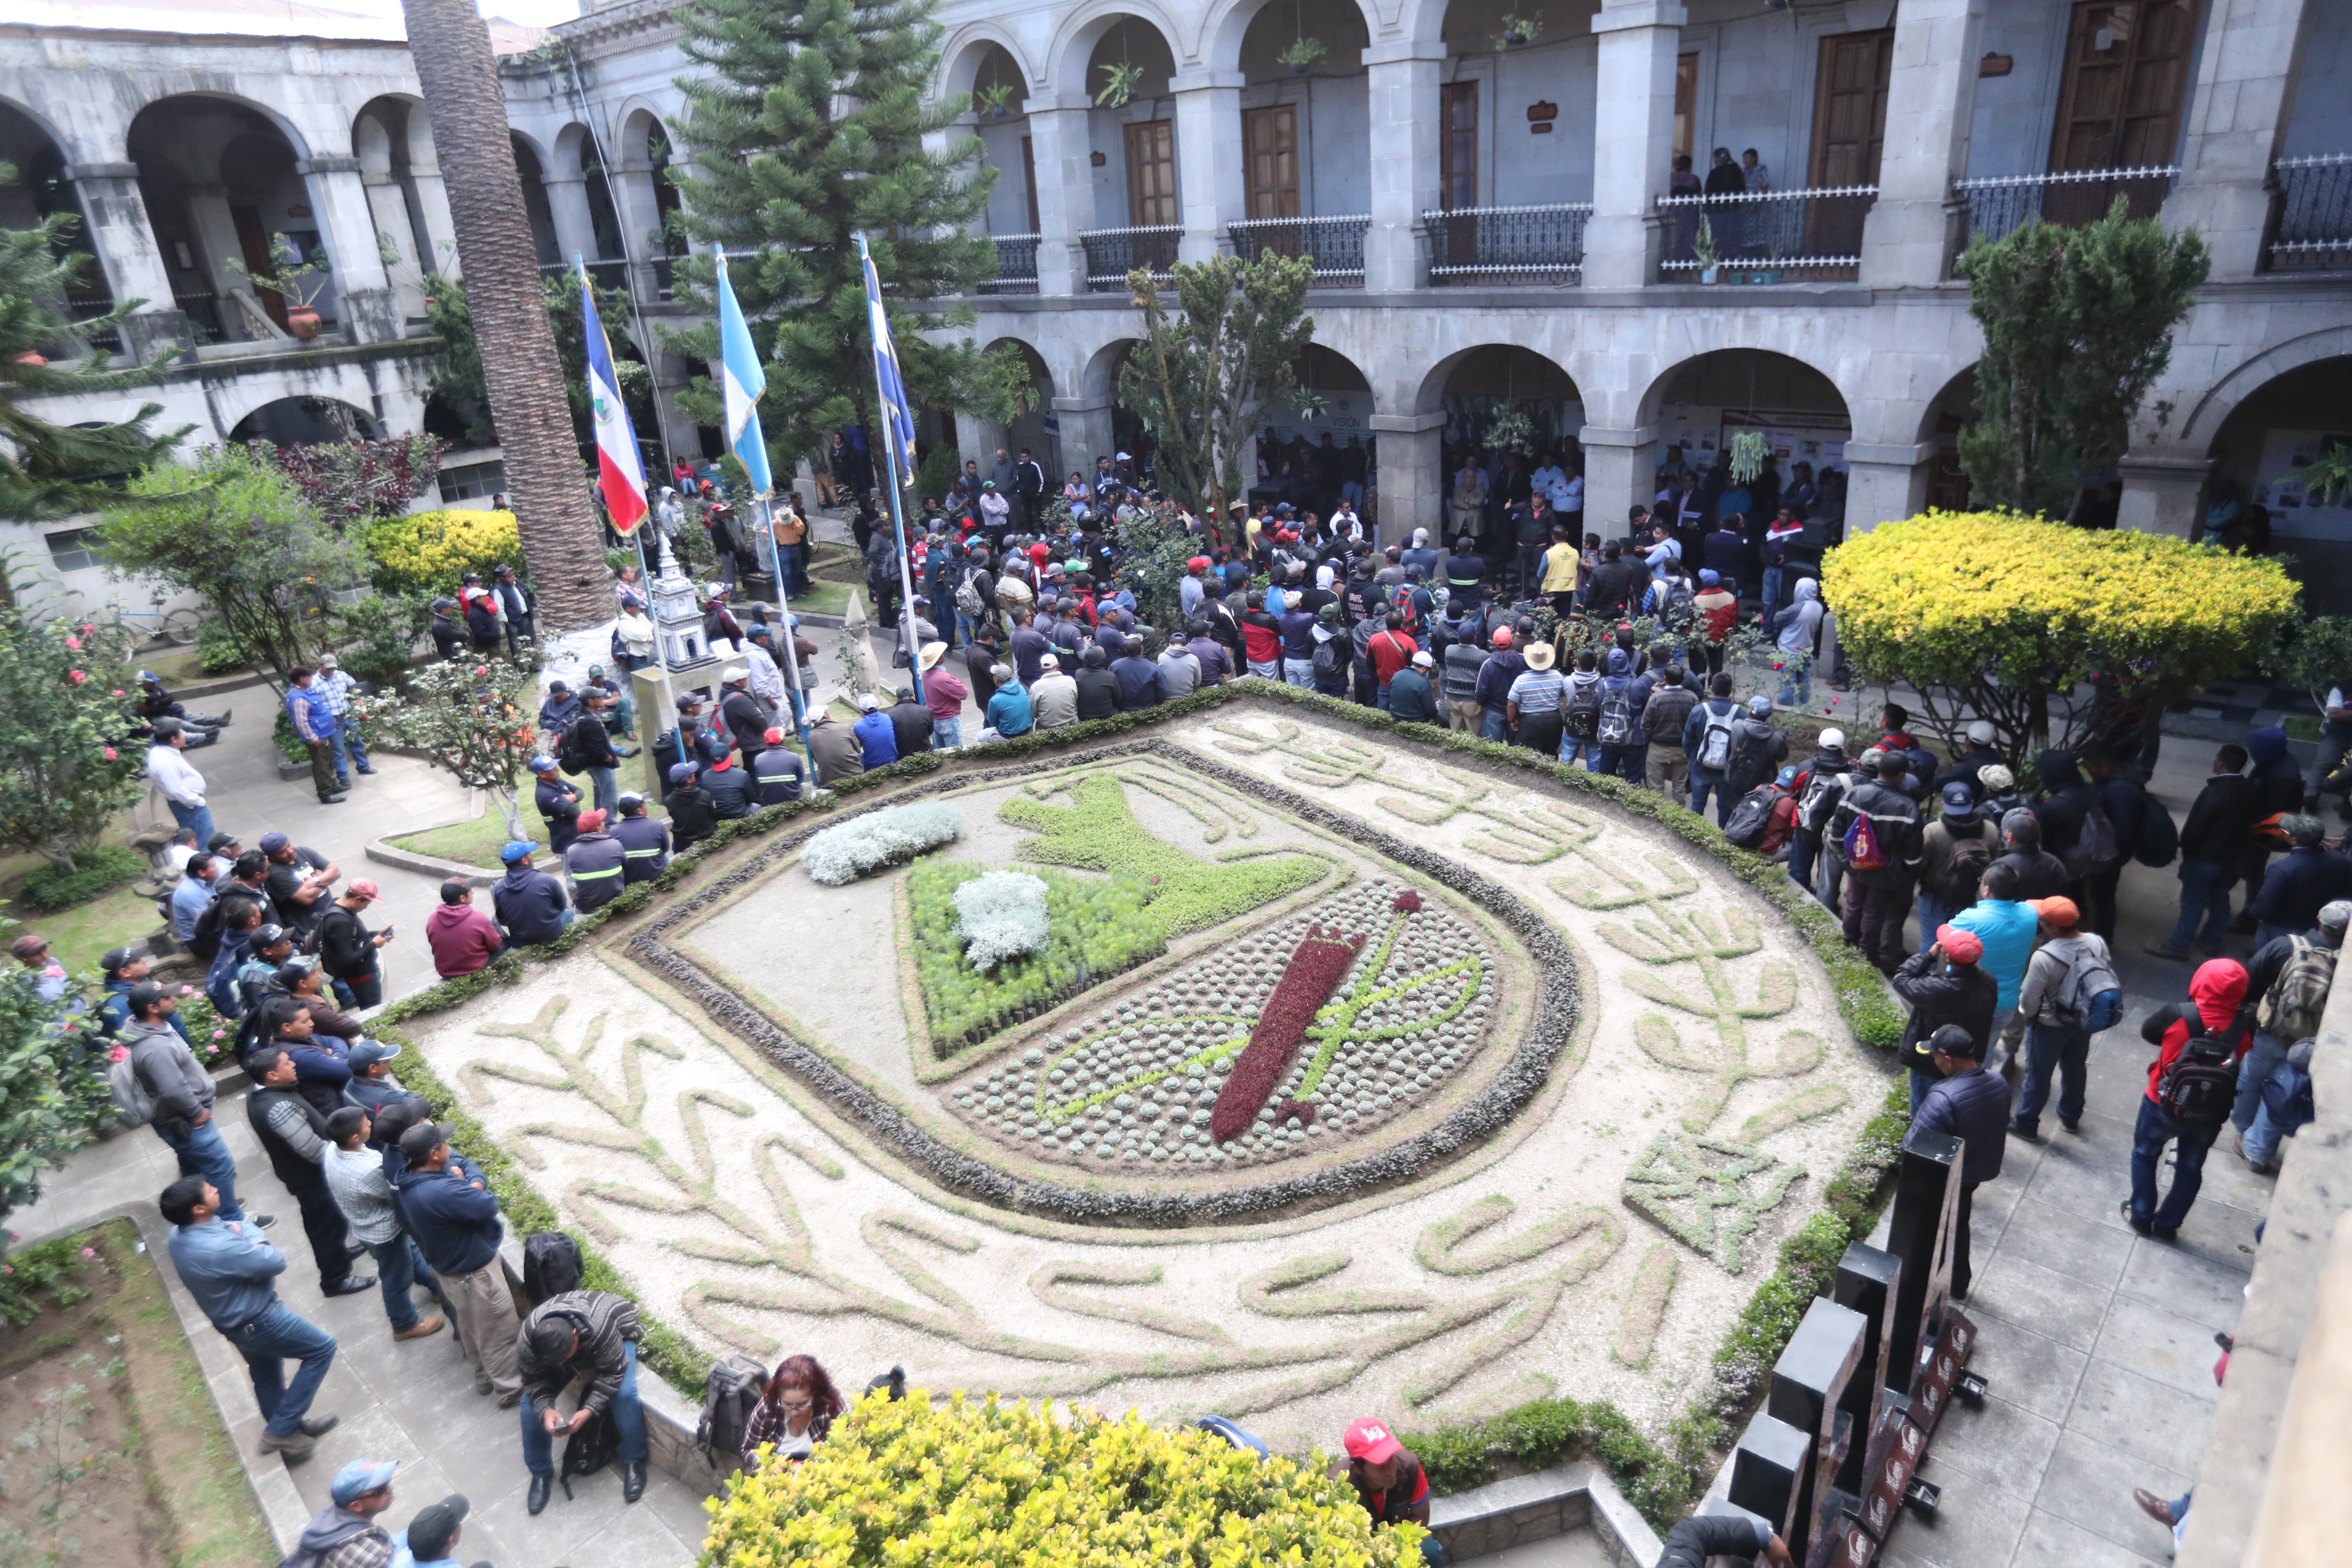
column 1371, row 1441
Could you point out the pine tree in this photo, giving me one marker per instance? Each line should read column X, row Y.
column 53, row 470
column 809, row 128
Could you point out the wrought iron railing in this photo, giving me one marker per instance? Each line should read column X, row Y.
column 87, row 306
column 1113, row 253
column 1816, row 234
column 2000, row 205
column 201, row 308
column 1017, row 265
column 1507, row 245
column 1336, row 245
column 2315, row 227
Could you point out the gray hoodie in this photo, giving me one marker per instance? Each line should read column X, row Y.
column 336, row 1537
column 180, row 1086
column 1801, row 620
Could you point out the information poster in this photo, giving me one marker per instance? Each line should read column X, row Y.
column 2293, row 511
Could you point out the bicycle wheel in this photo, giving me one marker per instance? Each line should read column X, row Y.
column 180, row 626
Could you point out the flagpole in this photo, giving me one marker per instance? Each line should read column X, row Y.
column 893, row 454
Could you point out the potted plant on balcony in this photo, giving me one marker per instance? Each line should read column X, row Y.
column 996, row 100
column 286, row 279
column 1302, row 54
column 1703, row 248
column 1519, row 30
column 1511, row 431
column 1120, row 77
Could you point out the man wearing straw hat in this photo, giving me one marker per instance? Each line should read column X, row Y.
column 944, row 695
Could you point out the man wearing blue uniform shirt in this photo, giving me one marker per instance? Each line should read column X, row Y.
column 228, row 1269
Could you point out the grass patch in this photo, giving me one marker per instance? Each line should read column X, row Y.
column 94, row 872
column 1096, row 930
column 477, row 843
column 79, row 936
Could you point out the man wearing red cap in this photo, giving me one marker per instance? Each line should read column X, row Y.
column 1388, row 1479
column 1193, row 590
column 594, row 860
column 1945, row 985
column 347, row 949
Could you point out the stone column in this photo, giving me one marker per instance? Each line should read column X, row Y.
column 1885, row 483
column 363, row 287
column 1060, row 145
column 212, row 230
column 1931, row 96
column 1411, row 473
column 1086, row 432
column 439, row 240
column 633, row 208
column 124, row 241
column 1632, row 140
column 1403, row 90
column 575, row 230
column 2162, row 493
column 2245, row 82
column 1212, row 178
column 1621, row 469
column 389, row 206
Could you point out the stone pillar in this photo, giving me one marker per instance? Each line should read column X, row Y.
column 389, row 204
column 363, row 287
column 212, row 230
column 1632, row 140
column 439, row 243
column 1211, row 175
column 1060, row 145
column 2163, row 493
column 1911, row 229
column 1620, row 468
column 575, row 230
column 633, row 208
column 124, row 241
column 1086, row 432
column 1885, row 483
column 1403, row 90
column 2245, row 82
column 1411, row 473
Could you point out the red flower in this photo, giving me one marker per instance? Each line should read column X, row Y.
column 77, row 676
column 1407, row 901
column 109, row 753
column 1318, row 965
column 74, row 643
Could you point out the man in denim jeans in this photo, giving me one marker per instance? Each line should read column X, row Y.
column 182, row 1094
column 339, row 688
column 227, row 1267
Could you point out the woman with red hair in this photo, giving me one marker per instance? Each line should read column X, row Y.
column 794, row 1414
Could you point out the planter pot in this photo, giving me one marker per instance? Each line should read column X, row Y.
column 1000, row 111
column 1706, row 274
column 1515, row 39
column 303, row 322
column 1298, row 67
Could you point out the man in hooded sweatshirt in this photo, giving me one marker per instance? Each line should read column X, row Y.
column 2277, row 787
column 1494, row 689
column 530, row 905
column 2214, row 995
column 1796, row 627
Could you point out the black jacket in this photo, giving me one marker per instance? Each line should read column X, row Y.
column 1965, row 770
column 911, row 722
column 1097, row 693
column 693, row 815
column 1963, row 995
column 2297, row 883
column 1895, row 820
column 746, row 721
column 587, row 744
column 2216, row 829
column 1972, row 1106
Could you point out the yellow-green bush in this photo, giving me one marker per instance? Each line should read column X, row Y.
column 995, row 1485
column 430, row 551
column 1994, row 613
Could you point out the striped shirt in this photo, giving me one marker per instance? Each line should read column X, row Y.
column 362, row 1191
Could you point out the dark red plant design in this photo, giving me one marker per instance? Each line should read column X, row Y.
column 1407, row 901
column 1315, row 970
column 1304, row 1109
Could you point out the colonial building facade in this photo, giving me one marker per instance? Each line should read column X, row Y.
column 1497, row 208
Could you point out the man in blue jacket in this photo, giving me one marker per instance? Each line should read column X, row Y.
column 314, row 726
column 530, row 905
column 877, row 739
column 1970, row 1104
column 450, row 1210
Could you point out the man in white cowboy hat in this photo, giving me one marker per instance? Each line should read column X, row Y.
column 944, row 695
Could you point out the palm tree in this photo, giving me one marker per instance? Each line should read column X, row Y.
column 561, row 542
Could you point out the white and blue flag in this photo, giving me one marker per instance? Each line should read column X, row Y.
column 888, row 384
column 741, row 379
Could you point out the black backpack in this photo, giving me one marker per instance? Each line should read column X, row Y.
column 551, row 1265
column 590, row 1449
column 1752, row 817
column 1752, row 746
column 1956, row 889
column 2159, row 836
column 1582, row 715
column 731, row 1390
column 2201, row 1084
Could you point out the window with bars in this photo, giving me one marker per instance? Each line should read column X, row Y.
column 1458, row 146
column 75, row 550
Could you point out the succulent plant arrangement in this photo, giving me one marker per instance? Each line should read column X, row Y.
column 863, row 845
column 1001, row 915
column 1153, row 1079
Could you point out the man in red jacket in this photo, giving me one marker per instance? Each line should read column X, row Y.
column 463, row 939
column 2215, row 994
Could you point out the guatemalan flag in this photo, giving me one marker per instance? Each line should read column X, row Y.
column 886, row 379
column 742, row 381
column 620, row 471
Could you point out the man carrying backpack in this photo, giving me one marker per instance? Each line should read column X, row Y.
column 2124, row 801
column 2292, row 974
column 581, row 1334
column 2070, row 994
column 1874, row 835
column 1972, row 1105
column 2190, row 1086
column 1956, row 851
column 1757, row 749
column 2295, row 888
column 1664, row 715
column 1707, row 741
column 2075, row 827
column 1945, row 990
column 1821, row 785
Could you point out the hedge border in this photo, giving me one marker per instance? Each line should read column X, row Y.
column 1660, row 1480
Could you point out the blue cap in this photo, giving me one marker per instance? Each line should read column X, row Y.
column 516, row 849
column 681, row 772
column 151, row 675
column 1959, row 800
column 360, row 1477
column 1710, row 576
column 541, row 763
column 1788, row 776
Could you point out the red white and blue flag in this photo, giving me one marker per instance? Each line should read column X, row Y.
column 620, row 470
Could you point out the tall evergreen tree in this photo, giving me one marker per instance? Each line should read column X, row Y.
column 809, row 127
column 54, row 470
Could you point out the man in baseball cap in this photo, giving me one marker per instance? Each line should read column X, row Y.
column 2058, row 1026
column 1945, row 985
column 431, row 1536
column 1386, row 1474
column 346, row 1531
column 347, row 949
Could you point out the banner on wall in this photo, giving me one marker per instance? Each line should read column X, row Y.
column 2293, row 509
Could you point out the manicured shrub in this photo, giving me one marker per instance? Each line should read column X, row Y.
column 1001, row 915
column 93, row 873
column 839, row 856
column 430, row 551
column 993, row 1484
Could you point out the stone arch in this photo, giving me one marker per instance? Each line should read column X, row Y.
column 40, row 125
column 1765, row 367
column 1941, row 419
column 2207, row 414
column 1699, row 404
column 1035, row 428
column 41, row 190
column 1086, row 26
column 300, row 419
column 639, row 121
column 970, row 47
column 587, row 215
column 572, row 152
column 285, row 126
column 1228, row 22
column 531, row 168
column 220, row 176
column 1100, row 376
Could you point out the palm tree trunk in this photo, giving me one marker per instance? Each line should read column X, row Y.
column 561, row 540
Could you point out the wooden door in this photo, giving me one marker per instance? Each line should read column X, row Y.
column 2126, row 75
column 1849, row 135
column 1686, row 103
column 1151, row 174
column 1029, row 181
column 254, row 240
column 1270, row 144
column 1457, row 173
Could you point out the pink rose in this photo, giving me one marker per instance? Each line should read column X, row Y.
column 118, row 691
column 7, row 1268
column 109, row 753
column 88, row 628
column 89, row 1252
column 74, row 643
column 212, row 1050
column 119, row 1054
column 481, row 670
column 220, row 1034
column 77, row 676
